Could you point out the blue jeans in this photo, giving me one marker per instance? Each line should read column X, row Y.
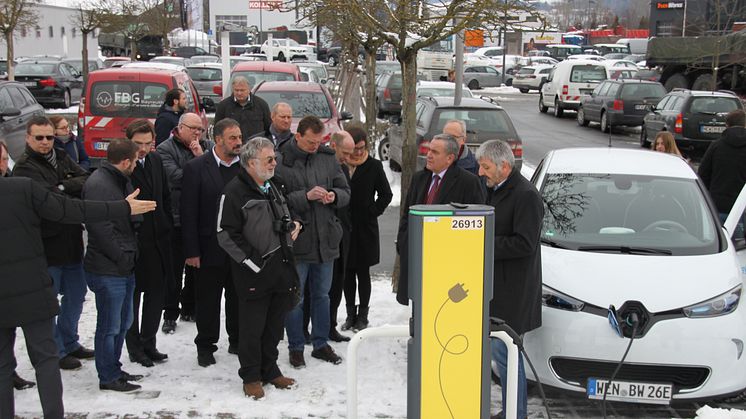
column 319, row 277
column 114, row 308
column 500, row 356
column 69, row 281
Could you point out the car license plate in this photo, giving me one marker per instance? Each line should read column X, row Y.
column 625, row 391
column 29, row 83
column 642, row 107
column 100, row 146
column 711, row 129
column 586, row 91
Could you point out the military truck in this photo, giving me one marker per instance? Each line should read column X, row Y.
column 689, row 62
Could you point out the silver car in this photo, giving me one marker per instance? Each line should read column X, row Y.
column 206, row 76
column 479, row 76
column 317, row 67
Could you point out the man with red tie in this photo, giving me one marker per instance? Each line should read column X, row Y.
column 441, row 182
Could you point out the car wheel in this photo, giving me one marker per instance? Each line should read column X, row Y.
column 703, row 82
column 332, row 61
column 542, row 108
column 281, row 57
column 677, row 80
column 581, row 117
column 522, row 90
column 473, row 85
column 558, row 111
column 66, row 102
column 384, row 150
column 509, row 82
column 644, row 143
column 604, row 123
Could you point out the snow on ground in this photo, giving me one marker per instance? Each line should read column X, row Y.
column 73, row 110
column 395, row 182
column 708, row 412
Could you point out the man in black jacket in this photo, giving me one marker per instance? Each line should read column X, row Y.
column 204, row 180
column 110, row 265
column 169, row 113
column 282, row 119
column 440, row 182
column 153, row 269
column 27, row 296
column 723, row 168
column 256, row 229
column 184, row 144
column 250, row 111
column 63, row 243
column 516, row 287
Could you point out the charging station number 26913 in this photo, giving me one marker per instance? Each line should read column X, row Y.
column 467, row 223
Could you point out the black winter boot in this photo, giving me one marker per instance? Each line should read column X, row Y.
column 351, row 318
column 362, row 318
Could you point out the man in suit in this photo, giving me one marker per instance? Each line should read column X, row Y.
column 465, row 160
column 203, row 183
column 153, row 268
column 516, row 285
column 440, row 182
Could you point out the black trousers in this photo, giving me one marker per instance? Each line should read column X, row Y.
column 335, row 292
column 142, row 333
column 42, row 351
column 363, row 285
column 261, row 327
column 209, row 285
column 175, row 294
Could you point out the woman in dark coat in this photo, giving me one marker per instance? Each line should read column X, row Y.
column 64, row 139
column 371, row 194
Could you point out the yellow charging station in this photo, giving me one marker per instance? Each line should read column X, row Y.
column 450, row 284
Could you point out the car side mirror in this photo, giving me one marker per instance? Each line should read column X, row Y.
column 9, row 112
column 345, row 116
column 208, row 102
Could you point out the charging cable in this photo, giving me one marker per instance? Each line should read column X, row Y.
column 456, row 294
column 631, row 320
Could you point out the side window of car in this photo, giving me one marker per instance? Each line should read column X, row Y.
column 613, row 89
column 30, row 101
column 492, row 71
column 663, row 102
column 597, row 91
column 419, row 108
column 17, row 97
column 676, row 103
column 470, row 70
column 5, row 101
column 64, row 71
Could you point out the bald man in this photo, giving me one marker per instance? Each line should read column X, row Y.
column 465, row 159
column 282, row 118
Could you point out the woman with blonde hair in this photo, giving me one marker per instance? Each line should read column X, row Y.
column 665, row 143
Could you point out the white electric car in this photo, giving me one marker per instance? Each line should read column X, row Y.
column 635, row 229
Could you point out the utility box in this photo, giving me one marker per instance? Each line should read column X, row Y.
column 451, row 251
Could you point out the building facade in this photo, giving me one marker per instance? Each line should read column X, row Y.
column 266, row 15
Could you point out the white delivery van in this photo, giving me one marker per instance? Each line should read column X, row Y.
column 636, row 45
column 568, row 82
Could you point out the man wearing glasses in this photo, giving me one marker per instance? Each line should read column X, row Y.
column 465, row 158
column 184, row 144
column 63, row 243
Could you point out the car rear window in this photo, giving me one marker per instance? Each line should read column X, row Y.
column 127, row 98
column 303, row 103
column 33, row 69
column 643, row 91
column 526, row 70
column 205, row 74
column 433, row 92
column 395, row 82
column 713, row 105
column 255, row 77
column 481, row 121
column 587, row 73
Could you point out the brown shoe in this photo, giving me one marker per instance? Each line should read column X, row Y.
column 326, row 353
column 282, row 382
column 253, row 390
column 297, row 360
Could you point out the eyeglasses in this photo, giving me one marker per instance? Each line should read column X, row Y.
column 359, row 149
column 195, row 129
column 43, row 137
column 65, row 128
column 267, row 160
column 144, row 145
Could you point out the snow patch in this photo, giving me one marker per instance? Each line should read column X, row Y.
column 708, row 412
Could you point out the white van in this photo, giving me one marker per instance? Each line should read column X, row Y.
column 570, row 80
column 636, row 45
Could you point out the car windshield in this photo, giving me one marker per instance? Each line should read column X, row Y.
column 175, row 60
column 289, row 42
column 583, row 211
column 642, row 91
column 205, row 74
column 34, row 69
column 434, row 92
column 127, row 98
column 255, row 77
column 485, row 121
column 3, row 66
column 303, row 103
column 714, row 105
column 587, row 73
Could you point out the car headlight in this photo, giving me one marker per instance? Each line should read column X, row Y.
column 718, row 306
column 555, row 299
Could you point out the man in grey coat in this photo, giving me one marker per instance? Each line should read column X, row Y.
column 316, row 187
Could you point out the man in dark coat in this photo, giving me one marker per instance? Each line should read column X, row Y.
column 516, row 286
column 370, row 195
column 256, row 229
column 250, row 111
column 184, row 144
column 63, row 243
column 204, row 180
column 153, row 269
column 466, row 159
column 282, row 119
column 110, row 265
column 723, row 168
column 169, row 113
column 27, row 296
column 440, row 182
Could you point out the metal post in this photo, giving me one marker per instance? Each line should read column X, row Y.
column 511, row 391
column 225, row 58
column 459, row 67
column 355, row 341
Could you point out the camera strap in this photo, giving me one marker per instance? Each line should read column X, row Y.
column 277, row 200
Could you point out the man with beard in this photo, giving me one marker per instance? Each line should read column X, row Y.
column 255, row 229
column 203, row 183
column 169, row 113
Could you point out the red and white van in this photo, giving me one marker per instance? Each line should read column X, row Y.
column 114, row 97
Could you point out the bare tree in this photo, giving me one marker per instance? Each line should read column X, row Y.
column 161, row 16
column 15, row 14
column 88, row 17
column 125, row 17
